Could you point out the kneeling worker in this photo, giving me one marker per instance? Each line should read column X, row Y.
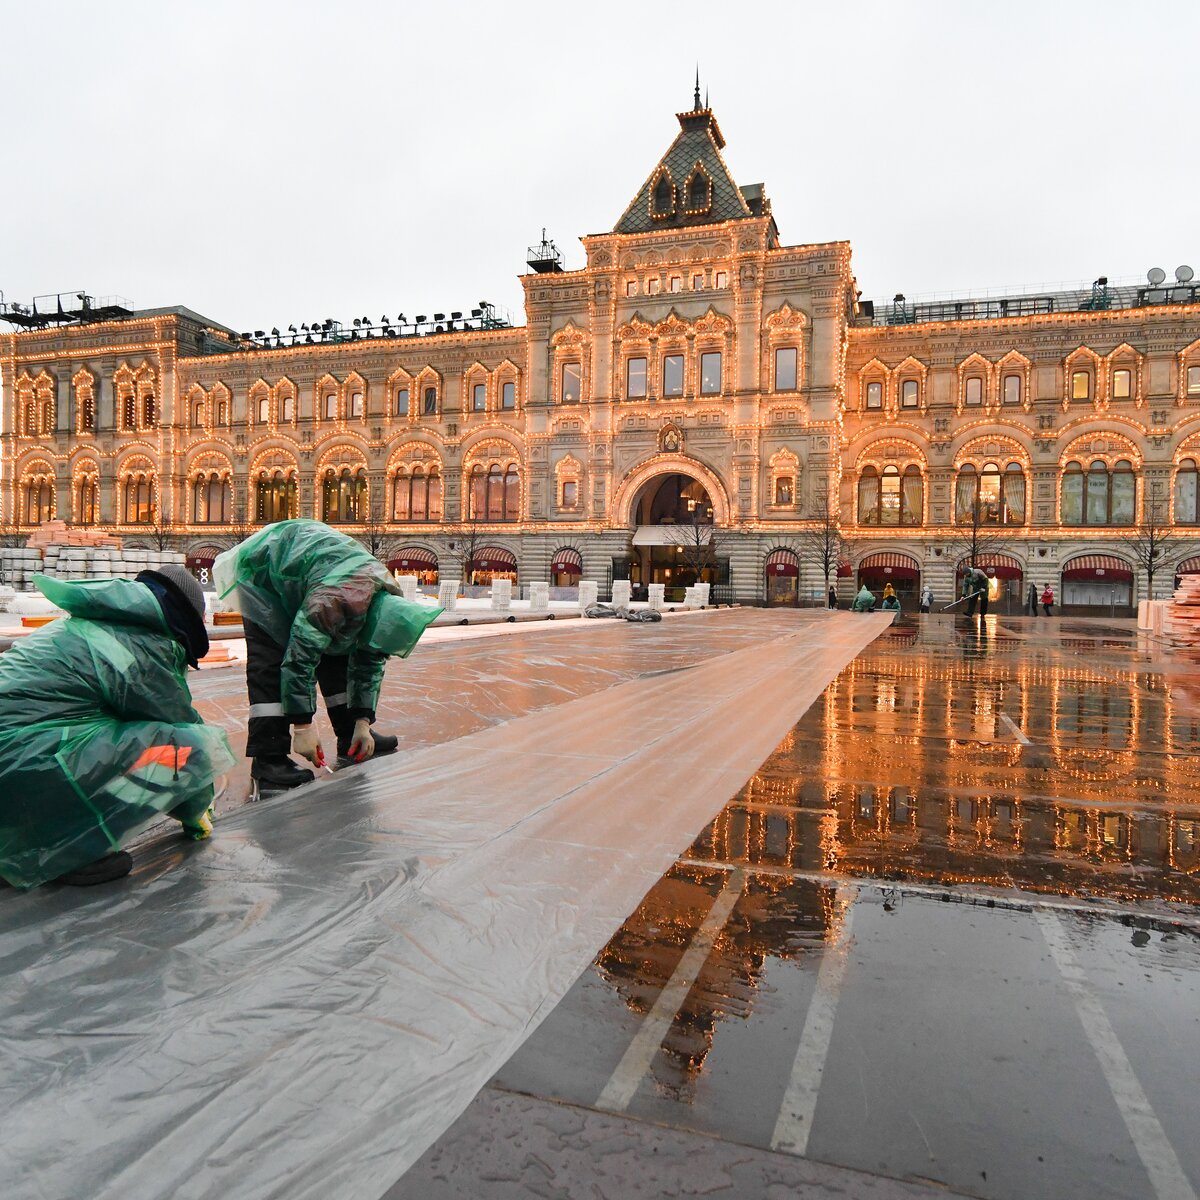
column 98, row 736
column 317, row 609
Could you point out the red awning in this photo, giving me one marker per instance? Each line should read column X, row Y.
column 494, row 558
column 845, row 570
column 1189, row 566
column 887, row 564
column 567, row 561
column 783, row 562
column 1098, row 566
column 1002, row 566
column 413, row 556
column 194, row 562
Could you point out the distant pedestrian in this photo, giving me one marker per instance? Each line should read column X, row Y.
column 1031, row 600
column 927, row 600
column 833, row 597
column 1047, row 599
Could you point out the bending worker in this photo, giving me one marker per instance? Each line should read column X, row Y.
column 98, row 736
column 317, row 608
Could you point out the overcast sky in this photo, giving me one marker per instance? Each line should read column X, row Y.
column 269, row 163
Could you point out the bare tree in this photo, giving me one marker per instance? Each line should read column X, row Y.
column 160, row 532
column 239, row 529
column 376, row 535
column 1154, row 543
column 11, row 538
column 823, row 543
column 466, row 540
column 975, row 538
column 699, row 546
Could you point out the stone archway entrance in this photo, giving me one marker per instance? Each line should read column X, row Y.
column 673, row 537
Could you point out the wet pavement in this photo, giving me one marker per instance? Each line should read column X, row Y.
column 942, row 942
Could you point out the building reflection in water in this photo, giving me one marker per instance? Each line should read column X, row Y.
column 946, row 757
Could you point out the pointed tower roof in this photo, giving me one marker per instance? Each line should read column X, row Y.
column 691, row 185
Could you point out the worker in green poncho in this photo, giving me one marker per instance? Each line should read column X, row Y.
column 98, row 736
column 317, row 609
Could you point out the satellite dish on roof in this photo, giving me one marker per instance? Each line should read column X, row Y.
column 1155, row 276
column 1184, row 274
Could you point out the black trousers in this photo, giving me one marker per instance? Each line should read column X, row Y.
column 270, row 732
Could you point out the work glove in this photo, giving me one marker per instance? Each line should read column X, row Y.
column 363, row 745
column 201, row 827
column 307, row 744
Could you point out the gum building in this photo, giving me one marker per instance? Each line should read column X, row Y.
column 697, row 381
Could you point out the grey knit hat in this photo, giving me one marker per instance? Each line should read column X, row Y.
column 186, row 582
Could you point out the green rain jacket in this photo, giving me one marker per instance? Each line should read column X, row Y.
column 864, row 601
column 315, row 592
column 98, row 736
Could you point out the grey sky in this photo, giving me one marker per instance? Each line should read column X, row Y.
column 268, row 163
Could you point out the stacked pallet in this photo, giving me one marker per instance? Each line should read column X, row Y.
column 1185, row 610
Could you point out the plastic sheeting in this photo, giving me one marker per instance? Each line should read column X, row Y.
column 299, row 1007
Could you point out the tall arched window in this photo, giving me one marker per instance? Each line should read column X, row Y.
column 989, row 495
column 139, row 500
column 149, row 411
column 210, row 499
column 891, row 497
column 39, row 501
column 30, row 417
column 263, row 413
column 664, row 196
column 129, row 412
column 344, row 495
column 87, row 511
column 47, row 417
column 417, row 497
column 1100, row 495
column 275, row 497
column 1187, row 510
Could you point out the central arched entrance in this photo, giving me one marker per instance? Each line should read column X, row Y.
column 675, row 542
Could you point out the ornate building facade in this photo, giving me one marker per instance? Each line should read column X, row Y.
column 695, row 372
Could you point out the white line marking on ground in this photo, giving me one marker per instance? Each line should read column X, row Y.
column 800, row 1100
column 1153, row 1147
column 1015, row 729
column 635, row 1062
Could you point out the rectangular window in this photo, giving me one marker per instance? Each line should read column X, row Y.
column 508, row 396
column 710, row 373
column 479, row 397
column 672, row 375
column 289, row 408
column 1193, row 381
column 570, row 493
column 721, row 280
column 631, row 287
column 1081, row 385
column 356, row 405
column 1012, row 389
column 908, row 394
column 697, row 282
column 402, row 402
column 652, row 286
column 874, row 395
column 431, row 402
column 1122, row 385
column 784, row 489
column 264, row 410
column 572, row 382
column 676, row 283
column 330, row 409
column 785, row 369
column 635, row 378
column 974, row 390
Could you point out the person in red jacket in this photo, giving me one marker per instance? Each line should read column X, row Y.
column 1047, row 599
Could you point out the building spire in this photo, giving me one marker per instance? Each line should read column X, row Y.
column 696, row 98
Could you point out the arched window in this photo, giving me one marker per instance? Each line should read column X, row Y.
column 275, row 497
column 402, row 495
column 495, row 494
column 356, row 404
column 139, row 500
column 264, row 410
column 478, row 489
column 400, row 409
column 973, row 390
column 288, row 409
column 989, row 496
column 1187, row 511
column 87, row 510
column 1012, row 389
column 198, row 414
column 664, row 196
column 210, row 500
column 222, row 412
column 149, row 411
column 129, row 412
column 868, row 497
column 39, row 501
column 47, row 417
column 699, row 192
column 1100, row 495
column 344, row 495
column 891, row 497
column 30, row 417
column 512, row 494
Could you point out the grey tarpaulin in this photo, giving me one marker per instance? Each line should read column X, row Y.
column 299, row 1007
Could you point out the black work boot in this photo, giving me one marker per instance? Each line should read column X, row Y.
column 385, row 743
column 112, row 866
column 278, row 771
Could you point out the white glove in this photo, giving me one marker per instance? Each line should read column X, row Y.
column 307, row 744
column 363, row 745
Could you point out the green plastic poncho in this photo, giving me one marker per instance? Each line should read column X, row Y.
column 316, row 591
column 864, row 601
column 98, row 736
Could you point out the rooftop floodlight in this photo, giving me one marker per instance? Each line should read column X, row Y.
column 246, row 337
column 274, row 330
column 439, row 316
column 383, row 320
column 258, row 333
column 476, row 312
column 291, row 329
column 484, row 304
column 420, row 318
column 355, row 322
column 456, row 316
column 366, row 320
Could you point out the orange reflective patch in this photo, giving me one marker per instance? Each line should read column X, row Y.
column 163, row 756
